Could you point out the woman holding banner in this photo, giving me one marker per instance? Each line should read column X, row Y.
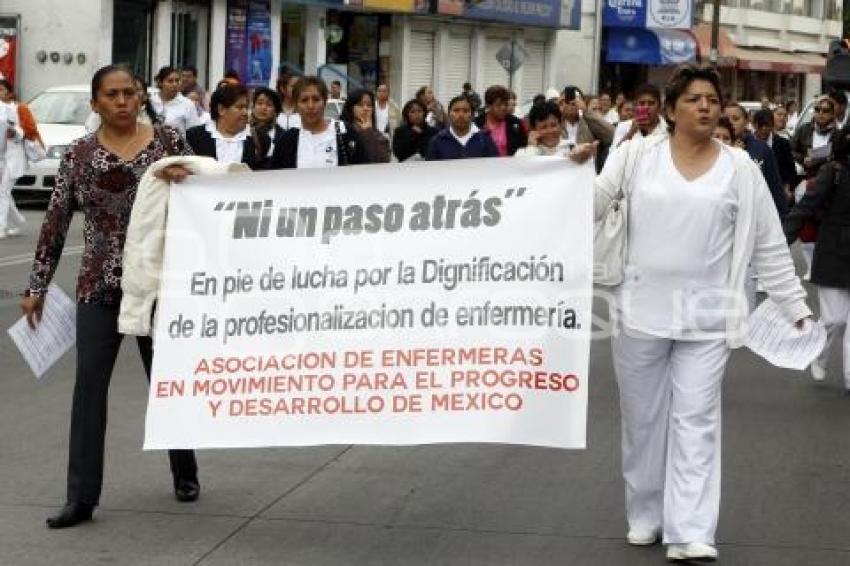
column 698, row 213
column 319, row 142
column 100, row 174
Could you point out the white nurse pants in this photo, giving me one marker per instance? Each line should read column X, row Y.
column 835, row 315
column 670, row 405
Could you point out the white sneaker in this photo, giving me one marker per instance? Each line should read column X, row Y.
column 641, row 537
column 692, row 551
column 818, row 371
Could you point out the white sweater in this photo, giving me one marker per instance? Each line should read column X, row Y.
column 143, row 249
column 758, row 239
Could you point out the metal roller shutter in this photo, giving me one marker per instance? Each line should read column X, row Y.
column 533, row 81
column 421, row 61
column 494, row 73
column 459, row 66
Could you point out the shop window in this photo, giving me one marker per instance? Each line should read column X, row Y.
column 132, row 27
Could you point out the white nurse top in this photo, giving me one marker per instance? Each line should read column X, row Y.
column 179, row 112
column 680, row 237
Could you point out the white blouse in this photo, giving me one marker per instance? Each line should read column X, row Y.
column 228, row 150
column 317, row 151
column 680, row 238
column 179, row 112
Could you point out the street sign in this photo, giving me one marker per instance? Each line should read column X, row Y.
column 511, row 56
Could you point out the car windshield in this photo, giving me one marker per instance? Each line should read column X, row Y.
column 61, row 107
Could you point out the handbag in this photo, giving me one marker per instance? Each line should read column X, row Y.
column 610, row 233
column 34, row 151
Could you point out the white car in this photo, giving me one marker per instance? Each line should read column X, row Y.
column 60, row 113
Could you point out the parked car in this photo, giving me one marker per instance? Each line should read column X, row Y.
column 60, row 112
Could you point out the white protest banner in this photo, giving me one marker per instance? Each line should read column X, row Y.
column 380, row 304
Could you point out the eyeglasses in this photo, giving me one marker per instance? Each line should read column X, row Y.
column 823, row 110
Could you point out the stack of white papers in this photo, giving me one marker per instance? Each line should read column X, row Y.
column 780, row 342
column 53, row 336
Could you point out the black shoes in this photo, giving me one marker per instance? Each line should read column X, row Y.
column 71, row 514
column 186, row 490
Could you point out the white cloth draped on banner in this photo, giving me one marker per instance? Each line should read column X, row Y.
column 379, row 304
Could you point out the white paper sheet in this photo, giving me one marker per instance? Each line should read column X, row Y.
column 780, row 342
column 54, row 335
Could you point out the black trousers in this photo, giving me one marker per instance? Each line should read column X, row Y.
column 98, row 343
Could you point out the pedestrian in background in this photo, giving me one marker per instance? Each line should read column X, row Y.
column 811, row 147
column 387, row 114
column 320, row 142
column 435, row 115
column 411, row 139
column 17, row 127
column 99, row 174
column 626, row 111
column 461, row 139
column 647, row 118
column 607, row 110
column 724, row 132
column 699, row 213
column 171, row 106
column 829, row 202
column 266, row 133
column 474, row 97
column 581, row 126
column 504, row 128
column 227, row 137
column 545, row 138
column 288, row 117
column 358, row 113
column 760, row 153
column 189, row 84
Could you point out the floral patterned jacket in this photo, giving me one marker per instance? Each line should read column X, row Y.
column 103, row 187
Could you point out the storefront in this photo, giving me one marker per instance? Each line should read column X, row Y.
column 643, row 40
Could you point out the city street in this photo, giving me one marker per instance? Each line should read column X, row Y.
column 786, row 479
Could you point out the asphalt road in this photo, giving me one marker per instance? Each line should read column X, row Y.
column 786, row 479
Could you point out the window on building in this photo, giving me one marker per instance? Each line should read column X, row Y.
column 132, row 26
column 832, row 9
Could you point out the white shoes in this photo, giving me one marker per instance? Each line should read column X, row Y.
column 818, row 371
column 692, row 551
column 639, row 537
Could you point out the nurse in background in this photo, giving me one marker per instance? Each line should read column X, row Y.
column 171, row 106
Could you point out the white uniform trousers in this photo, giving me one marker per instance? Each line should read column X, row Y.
column 835, row 315
column 670, row 405
column 10, row 218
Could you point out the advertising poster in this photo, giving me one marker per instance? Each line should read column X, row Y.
column 248, row 48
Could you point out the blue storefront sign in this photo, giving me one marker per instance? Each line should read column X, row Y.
column 248, row 47
column 543, row 13
column 656, row 14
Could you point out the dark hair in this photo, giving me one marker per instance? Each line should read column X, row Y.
column 538, row 99
column 7, row 84
column 459, row 98
column 763, row 118
column 420, row 92
column 164, row 72
column 838, row 96
column 273, row 97
column 308, row 81
column 734, row 104
column 789, row 104
column 226, row 96
column 408, row 107
column 467, row 86
column 650, row 89
column 539, row 112
column 726, row 123
column 679, row 83
column 232, row 74
column 354, row 98
column 100, row 74
column 571, row 93
column 149, row 110
column 336, row 82
column 190, row 69
column 495, row 93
